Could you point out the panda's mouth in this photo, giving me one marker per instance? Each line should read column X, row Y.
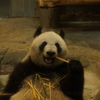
column 49, row 60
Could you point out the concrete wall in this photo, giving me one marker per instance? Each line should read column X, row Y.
column 21, row 8
column 4, row 8
column 17, row 8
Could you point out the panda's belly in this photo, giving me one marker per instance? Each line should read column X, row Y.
column 37, row 88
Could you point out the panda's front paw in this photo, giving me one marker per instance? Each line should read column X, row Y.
column 75, row 67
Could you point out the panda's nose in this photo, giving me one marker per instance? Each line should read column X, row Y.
column 50, row 53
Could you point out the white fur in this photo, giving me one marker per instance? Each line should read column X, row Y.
column 51, row 38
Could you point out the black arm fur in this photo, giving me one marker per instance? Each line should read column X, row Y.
column 72, row 84
column 21, row 71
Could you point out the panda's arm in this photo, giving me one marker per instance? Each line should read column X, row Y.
column 20, row 72
column 72, row 84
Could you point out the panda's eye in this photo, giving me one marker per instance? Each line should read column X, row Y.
column 41, row 47
column 58, row 47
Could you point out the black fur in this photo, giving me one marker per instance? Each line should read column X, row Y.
column 71, row 85
column 38, row 31
column 50, row 53
column 58, row 47
column 62, row 34
column 41, row 47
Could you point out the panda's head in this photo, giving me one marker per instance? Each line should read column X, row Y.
column 46, row 47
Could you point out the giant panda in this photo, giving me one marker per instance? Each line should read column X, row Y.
column 41, row 60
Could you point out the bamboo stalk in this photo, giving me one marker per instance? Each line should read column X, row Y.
column 45, row 86
column 33, row 87
column 45, row 79
column 25, row 94
column 62, row 59
column 42, row 83
column 33, row 91
column 59, row 79
column 38, row 92
column 48, row 85
column 50, row 89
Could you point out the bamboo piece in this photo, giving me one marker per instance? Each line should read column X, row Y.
column 62, row 59
column 33, row 91
column 45, row 88
column 25, row 94
column 50, row 89
column 33, row 87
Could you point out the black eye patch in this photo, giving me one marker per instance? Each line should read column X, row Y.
column 58, row 47
column 41, row 47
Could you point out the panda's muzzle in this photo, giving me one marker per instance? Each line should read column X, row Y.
column 49, row 58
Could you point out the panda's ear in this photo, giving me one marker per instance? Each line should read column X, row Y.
column 38, row 31
column 62, row 34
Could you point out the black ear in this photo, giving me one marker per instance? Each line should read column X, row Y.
column 62, row 34
column 38, row 31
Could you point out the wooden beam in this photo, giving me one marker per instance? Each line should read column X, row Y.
column 51, row 3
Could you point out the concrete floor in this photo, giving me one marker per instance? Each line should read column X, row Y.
column 83, row 44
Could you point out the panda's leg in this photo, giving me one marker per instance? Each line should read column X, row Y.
column 72, row 84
